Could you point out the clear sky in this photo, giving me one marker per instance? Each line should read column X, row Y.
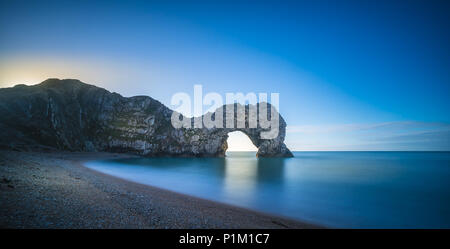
column 352, row 75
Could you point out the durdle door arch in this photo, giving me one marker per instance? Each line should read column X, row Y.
column 214, row 140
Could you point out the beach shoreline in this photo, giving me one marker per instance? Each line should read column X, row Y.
column 55, row 190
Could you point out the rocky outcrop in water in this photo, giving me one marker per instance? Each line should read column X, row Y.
column 74, row 116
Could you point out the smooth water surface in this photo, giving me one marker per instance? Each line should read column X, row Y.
column 336, row 189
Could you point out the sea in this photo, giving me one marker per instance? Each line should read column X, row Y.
column 332, row 189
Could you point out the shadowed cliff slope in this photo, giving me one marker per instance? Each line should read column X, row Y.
column 74, row 116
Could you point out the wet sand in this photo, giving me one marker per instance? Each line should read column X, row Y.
column 54, row 190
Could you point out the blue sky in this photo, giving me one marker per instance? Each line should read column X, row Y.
column 352, row 75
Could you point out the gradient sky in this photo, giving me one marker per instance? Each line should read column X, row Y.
column 352, row 75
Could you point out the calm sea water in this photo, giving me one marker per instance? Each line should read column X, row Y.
column 335, row 189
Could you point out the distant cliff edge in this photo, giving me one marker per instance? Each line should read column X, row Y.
column 75, row 116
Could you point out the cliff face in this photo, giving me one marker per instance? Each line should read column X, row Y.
column 74, row 116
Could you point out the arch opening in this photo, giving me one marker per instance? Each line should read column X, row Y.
column 239, row 142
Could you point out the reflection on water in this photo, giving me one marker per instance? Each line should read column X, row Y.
column 338, row 189
column 240, row 176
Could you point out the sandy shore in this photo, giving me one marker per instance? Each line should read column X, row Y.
column 54, row 190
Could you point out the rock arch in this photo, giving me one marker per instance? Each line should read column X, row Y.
column 213, row 141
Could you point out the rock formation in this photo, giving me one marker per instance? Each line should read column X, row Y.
column 74, row 116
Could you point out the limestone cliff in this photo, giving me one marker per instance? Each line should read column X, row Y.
column 74, row 116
